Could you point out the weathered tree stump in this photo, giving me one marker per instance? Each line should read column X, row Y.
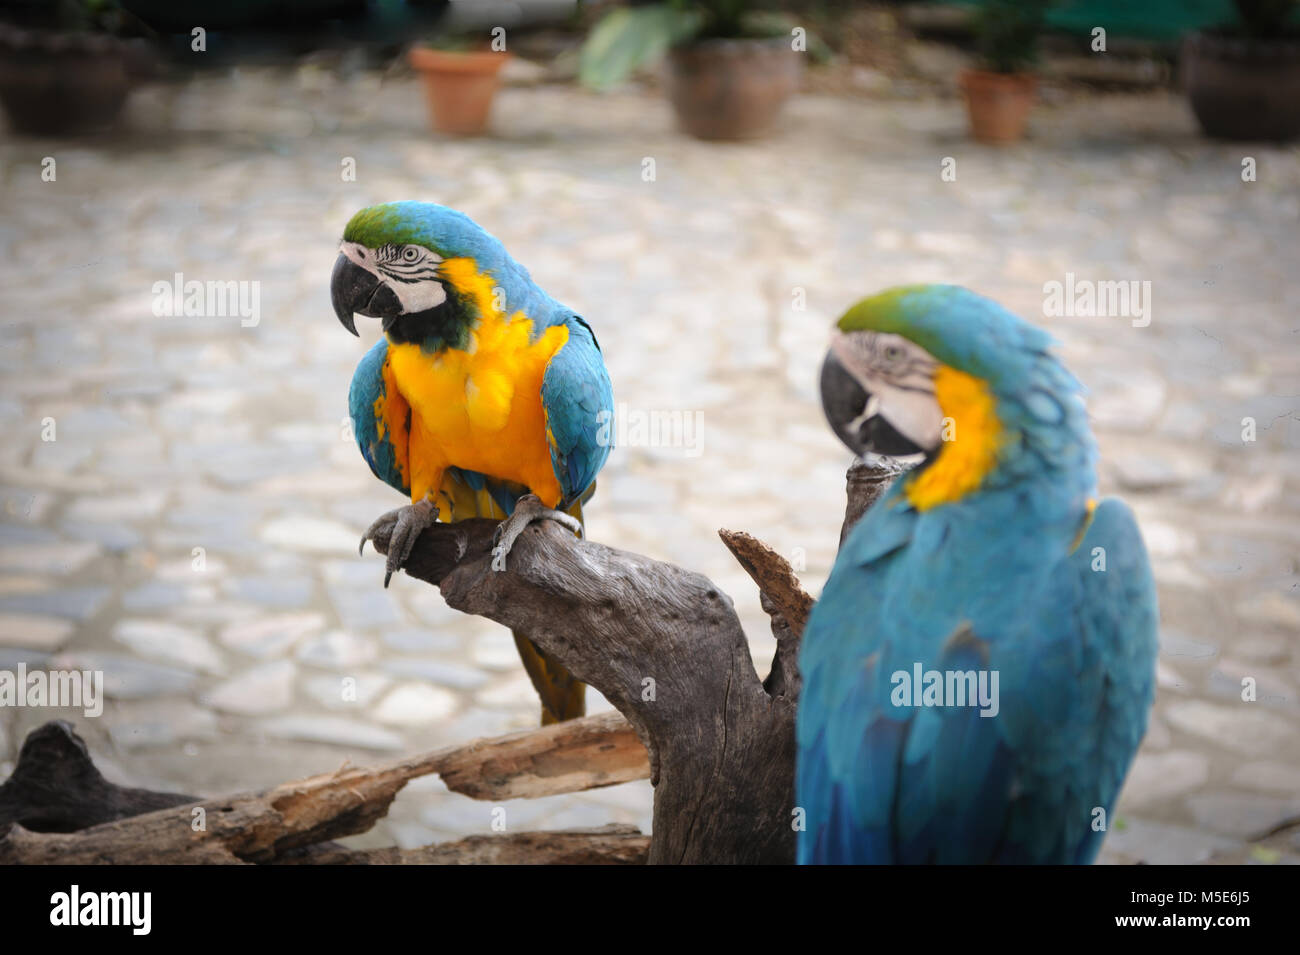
column 664, row 646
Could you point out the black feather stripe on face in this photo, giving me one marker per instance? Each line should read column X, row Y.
column 446, row 325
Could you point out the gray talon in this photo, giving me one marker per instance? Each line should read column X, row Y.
column 529, row 509
column 406, row 525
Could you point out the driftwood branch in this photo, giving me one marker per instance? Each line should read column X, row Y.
column 864, row 485
column 665, row 647
column 56, row 807
column 608, row 845
column 663, row 644
column 775, row 577
column 587, row 753
column 783, row 599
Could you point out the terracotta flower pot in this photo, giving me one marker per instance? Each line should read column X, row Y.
column 732, row 89
column 1243, row 89
column 459, row 87
column 998, row 104
column 65, row 83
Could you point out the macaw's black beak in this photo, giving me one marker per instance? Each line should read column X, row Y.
column 355, row 290
column 845, row 402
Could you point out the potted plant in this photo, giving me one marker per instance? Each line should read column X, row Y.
column 1243, row 79
column 1000, row 95
column 731, row 68
column 461, row 75
column 67, row 69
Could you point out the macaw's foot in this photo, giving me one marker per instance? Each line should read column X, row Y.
column 404, row 525
column 529, row 509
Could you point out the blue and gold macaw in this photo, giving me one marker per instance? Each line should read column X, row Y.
column 485, row 398
column 978, row 671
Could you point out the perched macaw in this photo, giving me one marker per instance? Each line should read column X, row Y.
column 989, row 572
column 485, row 397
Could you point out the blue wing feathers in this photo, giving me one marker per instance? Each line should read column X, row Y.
column 368, row 387
column 579, row 404
column 1074, row 650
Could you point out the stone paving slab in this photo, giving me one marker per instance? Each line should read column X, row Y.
column 191, row 528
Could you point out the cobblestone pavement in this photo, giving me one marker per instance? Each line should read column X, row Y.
column 177, row 433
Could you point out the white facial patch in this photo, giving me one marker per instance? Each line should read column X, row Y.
column 411, row 271
column 899, row 376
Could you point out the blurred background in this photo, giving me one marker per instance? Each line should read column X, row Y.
column 710, row 184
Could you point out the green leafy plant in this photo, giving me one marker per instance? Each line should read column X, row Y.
column 1008, row 32
column 628, row 37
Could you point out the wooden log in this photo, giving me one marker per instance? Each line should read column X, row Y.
column 56, row 807
column 588, row 753
column 607, row 845
column 665, row 647
column 865, row 483
column 661, row 643
column 618, row 845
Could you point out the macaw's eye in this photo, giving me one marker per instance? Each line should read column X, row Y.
column 893, row 353
column 410, row 253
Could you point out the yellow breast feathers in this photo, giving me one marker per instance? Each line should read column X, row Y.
column 480, row 408
column 971, row 434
